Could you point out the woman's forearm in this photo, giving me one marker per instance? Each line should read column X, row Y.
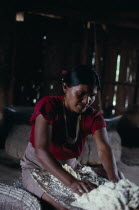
column 108, row 161
column 54, row 167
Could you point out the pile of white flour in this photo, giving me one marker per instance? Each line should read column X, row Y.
column 113, row 196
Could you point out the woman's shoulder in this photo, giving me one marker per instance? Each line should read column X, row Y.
column 91, row 112
column 94, row 119
column 48, row 106
column 50, row 100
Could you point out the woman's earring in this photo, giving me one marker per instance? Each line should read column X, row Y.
column 64, row 87
column 88, row 100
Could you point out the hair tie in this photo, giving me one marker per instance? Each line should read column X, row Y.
column 64, row 72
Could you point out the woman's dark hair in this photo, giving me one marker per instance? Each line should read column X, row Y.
column 82, row 74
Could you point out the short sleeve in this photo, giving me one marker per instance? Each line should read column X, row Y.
column 44, row 107
column 98, row 122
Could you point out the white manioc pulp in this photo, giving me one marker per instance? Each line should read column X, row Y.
column 114, row 196
column 71, row 171
column 123, row 195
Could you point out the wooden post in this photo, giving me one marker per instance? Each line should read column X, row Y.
column 97, row 66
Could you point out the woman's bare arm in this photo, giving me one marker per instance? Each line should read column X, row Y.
column 43, row 133
column 105, row 154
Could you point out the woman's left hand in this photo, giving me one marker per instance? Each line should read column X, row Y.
column 118, row 177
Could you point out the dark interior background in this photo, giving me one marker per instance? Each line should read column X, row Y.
column 56, row 35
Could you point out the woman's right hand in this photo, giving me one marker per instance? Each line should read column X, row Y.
column 82, row 186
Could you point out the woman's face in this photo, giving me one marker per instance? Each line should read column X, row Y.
column 78, row 98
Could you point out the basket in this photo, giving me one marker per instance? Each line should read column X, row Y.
column 12, row 198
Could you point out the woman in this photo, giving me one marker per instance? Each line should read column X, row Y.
column 60, row 125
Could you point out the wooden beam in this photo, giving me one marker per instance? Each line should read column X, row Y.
column 118, row 22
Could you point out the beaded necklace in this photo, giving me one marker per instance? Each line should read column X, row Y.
column 69, row 139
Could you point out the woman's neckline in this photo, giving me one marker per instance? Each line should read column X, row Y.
column 67, row 113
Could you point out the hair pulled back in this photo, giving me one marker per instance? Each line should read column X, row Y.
column 82, row 74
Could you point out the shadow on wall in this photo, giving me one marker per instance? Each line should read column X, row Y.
column 128, row 127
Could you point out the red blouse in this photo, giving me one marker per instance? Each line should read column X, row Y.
column 51, row 107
